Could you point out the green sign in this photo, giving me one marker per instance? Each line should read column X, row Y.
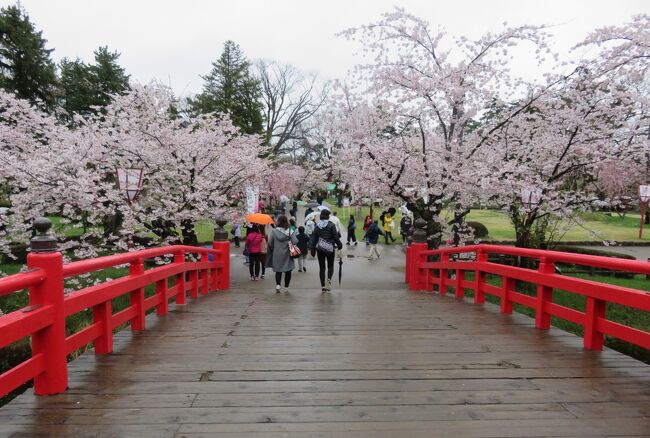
column 331, row 186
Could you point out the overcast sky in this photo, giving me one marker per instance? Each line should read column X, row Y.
column 176, row 41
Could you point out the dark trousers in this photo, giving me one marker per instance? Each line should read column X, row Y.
column 263, row 262
column 287, row 278
column 322, row 256
column 237, row 241
column 254, row 264
column 352, row 236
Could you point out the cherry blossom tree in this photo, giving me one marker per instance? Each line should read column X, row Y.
column 592, row 120
column 411, row 130
column 190, row 168
column 618, row 181
column 444, row 124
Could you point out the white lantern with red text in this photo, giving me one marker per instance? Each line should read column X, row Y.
column 129, row 182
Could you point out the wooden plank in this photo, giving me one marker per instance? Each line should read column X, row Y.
column 476, row 428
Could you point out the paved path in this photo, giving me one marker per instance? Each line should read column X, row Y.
column 368, row 360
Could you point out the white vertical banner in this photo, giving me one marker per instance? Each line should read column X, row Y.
column 252, row 199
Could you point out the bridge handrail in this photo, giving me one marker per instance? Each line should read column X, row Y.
column 636, row 266
column 423, row 274
column 95, row 264
column 44, row 318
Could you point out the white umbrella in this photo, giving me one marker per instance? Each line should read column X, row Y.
column 283, row 198
column 323, row 207
column 312, row 215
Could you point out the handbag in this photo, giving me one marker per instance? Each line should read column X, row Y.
column 325, row 246
column 294, row 251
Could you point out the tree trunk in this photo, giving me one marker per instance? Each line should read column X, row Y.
column 189, row 235
column 112, row 223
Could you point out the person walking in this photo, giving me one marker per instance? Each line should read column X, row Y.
column 405, row 227
column 294, row 208
column 352, row 227
column 310, row 225
column 372, row 235
column 323, row 242
column 303, row 245
column 366, row 224
column 279, row 257
column 236, row 232
column 264, row 249
column 253, row 245
column 337, row 222
column 388, row 227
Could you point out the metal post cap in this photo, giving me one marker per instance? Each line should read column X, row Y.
column 43, row 242
column 220, row 234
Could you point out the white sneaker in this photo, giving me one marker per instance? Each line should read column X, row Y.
column 277, row 288
column 329, row 285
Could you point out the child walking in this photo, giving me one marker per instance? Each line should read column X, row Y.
column 303, row 245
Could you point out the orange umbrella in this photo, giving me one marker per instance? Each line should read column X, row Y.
column 259, row 218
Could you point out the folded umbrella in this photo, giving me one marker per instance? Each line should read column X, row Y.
column 340, row 266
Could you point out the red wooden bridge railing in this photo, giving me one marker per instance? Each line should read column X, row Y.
column 44, row 318
column 423, row 274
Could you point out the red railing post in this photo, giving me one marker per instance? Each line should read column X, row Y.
column 204, row 281
column 479, row 278
column 222, row 262
column 508, row 284
column 137, row 296
column 417, row 278
column 194, row 285
column 102, row 314
column 460, row 278
column 161, row 290
column 443, row 273
column 408, row 264
column 181, row 296
column 544, row 296
column 596, row 309
column 50, row 340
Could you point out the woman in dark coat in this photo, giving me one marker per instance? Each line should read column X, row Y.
column 323, row 241
column 278, row 257
column 352, row 227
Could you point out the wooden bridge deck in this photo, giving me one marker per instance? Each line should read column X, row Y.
column 369, row 360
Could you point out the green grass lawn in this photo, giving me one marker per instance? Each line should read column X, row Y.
column 609, row 227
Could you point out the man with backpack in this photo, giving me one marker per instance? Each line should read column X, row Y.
column 324, row 241
column 372, row 236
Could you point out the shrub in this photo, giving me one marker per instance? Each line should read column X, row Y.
column 479, row 229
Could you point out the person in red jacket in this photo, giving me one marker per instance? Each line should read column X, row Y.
column 254, row 245
column 366, row 224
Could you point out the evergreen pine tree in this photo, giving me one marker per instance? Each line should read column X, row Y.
column 85, row 87
column 25, row 65
column 230, row 88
